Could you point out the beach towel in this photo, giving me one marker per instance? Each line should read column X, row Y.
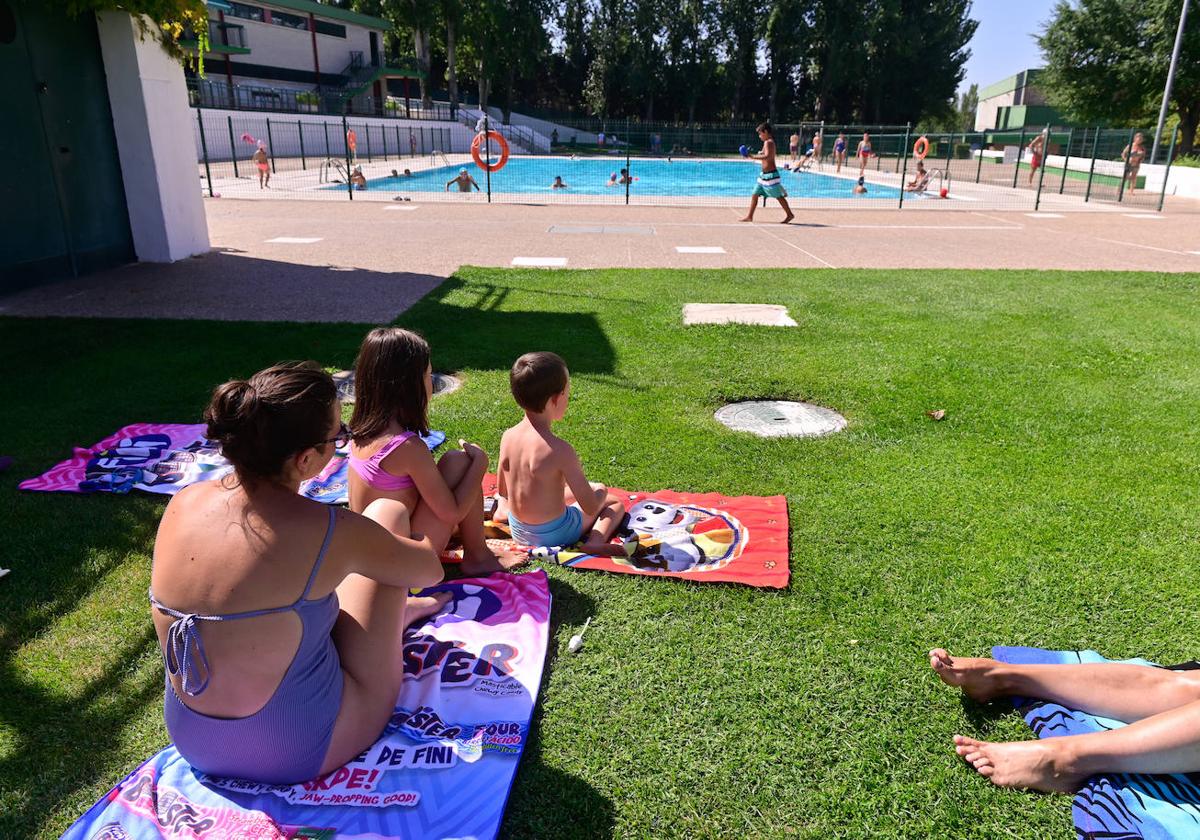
column 1113, row 806
column 442, row 768
column 166, row 457
column 704, row 537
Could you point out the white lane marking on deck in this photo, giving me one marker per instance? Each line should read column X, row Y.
column 1044, row 215
column 296, row 240
column 700, row 249
column 401, row 207
column 1197, row 253
column 1142, row 215
column 540, row 262
column 797, row 247
column 1140, row 245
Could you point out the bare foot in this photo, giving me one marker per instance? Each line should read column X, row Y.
column 790, row 216
column 488, row 561
column 419, row 609
column 976, row 677
column 747, row 219
column 1037, row 765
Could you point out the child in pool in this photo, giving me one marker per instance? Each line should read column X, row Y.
column 548, row 499
column 393, row 383
column 558, row 183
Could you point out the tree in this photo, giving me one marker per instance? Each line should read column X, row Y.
column 968, row 104
column 451, row 14
column 1106, row 61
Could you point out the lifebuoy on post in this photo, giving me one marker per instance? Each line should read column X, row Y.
column 352, row 141
column 921, row 147
column 493, row 137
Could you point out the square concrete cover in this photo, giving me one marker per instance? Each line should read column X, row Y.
column 761, row 314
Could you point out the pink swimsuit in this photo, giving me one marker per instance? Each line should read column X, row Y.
column 371, row 469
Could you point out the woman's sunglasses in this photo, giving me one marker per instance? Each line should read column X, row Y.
column 341, row 441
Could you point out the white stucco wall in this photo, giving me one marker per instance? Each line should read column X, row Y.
column 282, row 46
column 150, row 111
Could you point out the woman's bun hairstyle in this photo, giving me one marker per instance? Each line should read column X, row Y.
column 262, row 421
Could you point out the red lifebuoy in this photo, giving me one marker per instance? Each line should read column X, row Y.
column 352, row 140
column 495, row 137
column 921, row 147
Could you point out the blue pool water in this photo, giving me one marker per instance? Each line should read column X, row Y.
column 588, row 176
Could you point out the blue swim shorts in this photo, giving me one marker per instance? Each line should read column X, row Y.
column 561, row 532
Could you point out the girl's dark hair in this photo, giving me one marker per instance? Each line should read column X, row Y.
column 262, row 421
column 389, row 384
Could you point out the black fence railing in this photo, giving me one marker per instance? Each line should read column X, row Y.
column 333, row 100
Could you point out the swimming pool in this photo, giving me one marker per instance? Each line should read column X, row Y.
column 588, row 176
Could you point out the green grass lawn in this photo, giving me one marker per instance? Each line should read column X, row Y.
column 1056, row 505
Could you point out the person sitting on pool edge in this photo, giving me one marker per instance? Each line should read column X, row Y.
column 920, row 181
column 542, row 488
column 769, row 184
column 358, row 179
column 558, row 183
column 464, row 181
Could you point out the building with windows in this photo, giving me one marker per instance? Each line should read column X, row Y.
column 1014, row 103
column 261, row 52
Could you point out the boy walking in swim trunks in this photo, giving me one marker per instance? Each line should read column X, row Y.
column 264, row 168
column 769, row 185
column 550, row 501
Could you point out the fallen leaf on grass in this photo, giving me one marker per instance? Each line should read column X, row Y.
column 936, row 415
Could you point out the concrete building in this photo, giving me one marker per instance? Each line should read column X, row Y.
column 261, row 54
column 1014, row 103
column 98, row 169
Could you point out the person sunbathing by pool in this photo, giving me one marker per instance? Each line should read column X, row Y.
column 558, row 183
column 464, row 181
column 1161, row 706
column 280, row 619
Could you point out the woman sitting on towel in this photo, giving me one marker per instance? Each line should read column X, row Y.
column 1161, row 706
column 279, row 618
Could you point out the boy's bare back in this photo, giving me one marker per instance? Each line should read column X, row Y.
column 768, row 155
column 531, row 472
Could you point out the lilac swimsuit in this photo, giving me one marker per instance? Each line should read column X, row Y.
column 286, row 740
column 371, row 469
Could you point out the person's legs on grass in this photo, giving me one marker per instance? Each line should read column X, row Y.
column 478, row 558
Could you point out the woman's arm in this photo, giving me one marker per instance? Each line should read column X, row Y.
column 369, row 549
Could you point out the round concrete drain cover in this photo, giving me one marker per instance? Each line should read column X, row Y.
column 443, row 383
column 777, row 418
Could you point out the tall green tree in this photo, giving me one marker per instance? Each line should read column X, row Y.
column 689, row 53
column 1107, row 61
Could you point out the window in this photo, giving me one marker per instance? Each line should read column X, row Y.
column 334, row 29
column 241, row 10
column 290, row 21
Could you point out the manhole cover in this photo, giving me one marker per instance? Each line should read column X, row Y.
column 443, row 383
column 778, row 418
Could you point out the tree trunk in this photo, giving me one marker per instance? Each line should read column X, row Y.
column 421, row 48
column 772, row 92
column 508, row 98
column 1188, row 120
column 649, row 107
column 484, row 85
column 451, row 69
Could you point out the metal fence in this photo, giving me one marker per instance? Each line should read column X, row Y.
column 346, row 158
column 209, row 93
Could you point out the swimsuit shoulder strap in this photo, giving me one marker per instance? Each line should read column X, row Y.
column 389, row 447
column 312, row 576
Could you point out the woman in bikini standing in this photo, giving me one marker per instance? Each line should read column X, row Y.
column 1133, row 155
column 863, row 153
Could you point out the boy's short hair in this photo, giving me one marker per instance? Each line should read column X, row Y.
column 765, row 127
column 536, row 377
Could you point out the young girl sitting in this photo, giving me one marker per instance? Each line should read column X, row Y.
column 393, row 383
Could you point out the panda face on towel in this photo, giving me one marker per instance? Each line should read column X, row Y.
column 652, row 516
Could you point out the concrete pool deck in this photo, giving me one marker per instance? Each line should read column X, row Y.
column 361, row 262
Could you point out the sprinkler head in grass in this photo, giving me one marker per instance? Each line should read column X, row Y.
column 576, row 643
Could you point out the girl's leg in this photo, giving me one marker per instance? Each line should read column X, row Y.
column 477, row 557
column 1113, row 690
column 394, row 516
column 1168, row 742
column 368, row 637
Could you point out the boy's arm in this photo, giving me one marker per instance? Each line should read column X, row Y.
column 590, row 497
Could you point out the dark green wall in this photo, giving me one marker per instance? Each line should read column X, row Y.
column 62, row 203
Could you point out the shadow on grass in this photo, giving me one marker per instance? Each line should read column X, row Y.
column 481, row 336
column 545, row 801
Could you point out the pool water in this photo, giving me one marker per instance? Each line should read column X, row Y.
column 588, row 176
